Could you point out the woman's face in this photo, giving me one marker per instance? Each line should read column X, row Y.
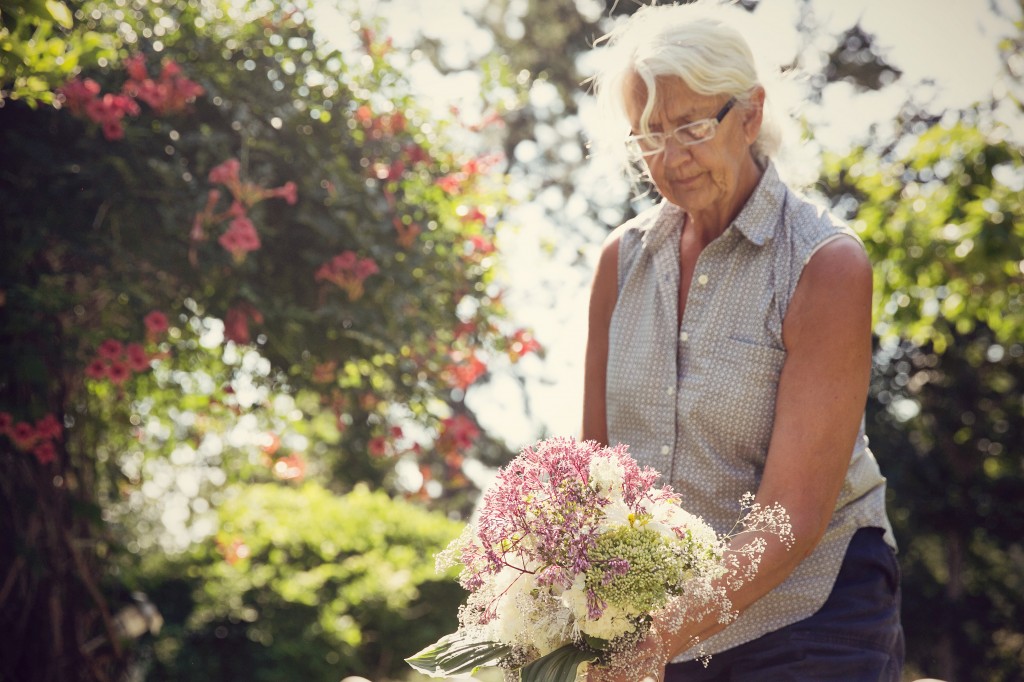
column 705, row 176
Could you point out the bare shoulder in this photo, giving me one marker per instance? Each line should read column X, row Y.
column 608, row 263
column 840, row 268
column 833, row 297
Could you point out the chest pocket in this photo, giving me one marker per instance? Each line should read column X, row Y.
column 740, row 384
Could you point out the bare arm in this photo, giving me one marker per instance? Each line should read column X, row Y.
column 603, row 294
column 821, row 395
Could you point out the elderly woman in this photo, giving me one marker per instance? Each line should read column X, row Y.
column 729, row 346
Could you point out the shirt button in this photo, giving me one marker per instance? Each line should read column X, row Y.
column 703, row 279
column 665, row 449
column 683, row 336
column 671, row 390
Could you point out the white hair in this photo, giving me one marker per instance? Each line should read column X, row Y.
column 698, row 43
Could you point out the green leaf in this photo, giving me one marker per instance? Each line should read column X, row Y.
column 558, row 666
column 456, row 654
column 60, row 13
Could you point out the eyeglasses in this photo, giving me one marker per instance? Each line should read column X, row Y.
column 687, row 135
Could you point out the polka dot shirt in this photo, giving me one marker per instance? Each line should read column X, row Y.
column 695, row 398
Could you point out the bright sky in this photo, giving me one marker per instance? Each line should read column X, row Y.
column 945, row 48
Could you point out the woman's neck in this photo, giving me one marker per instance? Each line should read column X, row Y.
column 708, row 224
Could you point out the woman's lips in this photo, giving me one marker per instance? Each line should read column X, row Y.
column 686, row 183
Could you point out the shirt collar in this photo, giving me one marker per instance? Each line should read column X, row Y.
column 756, row 221
column 763, row 211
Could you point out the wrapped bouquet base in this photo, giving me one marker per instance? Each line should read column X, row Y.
column 574, row 549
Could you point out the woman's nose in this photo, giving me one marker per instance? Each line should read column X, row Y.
column 676, row 153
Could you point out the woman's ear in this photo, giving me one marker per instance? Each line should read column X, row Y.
column 753, row 114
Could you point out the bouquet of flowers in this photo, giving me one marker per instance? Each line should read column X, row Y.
column 574, row 548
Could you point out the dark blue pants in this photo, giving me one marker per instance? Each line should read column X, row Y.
column 855, row 637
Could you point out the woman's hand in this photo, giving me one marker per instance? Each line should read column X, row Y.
column 644, row 663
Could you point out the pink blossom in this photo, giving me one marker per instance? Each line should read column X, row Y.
column 237, row 210
column 138, row 359
column 136, row 67
column 240, row 238
column 378, row 446
column 236, row 322
column 77, row 93
column 288, row 191
column 110, row 349
column 118, row 372
column 460, row 430
column 156, row 322
column 544, row 493
column 226, row 173
column 97, row 369
column 452, row 183
column 464, row 371
column 23, row 435
column 522, row 343
column 45, row 452
column 348, row 272
column 50, row 427
column 108, row 111
column 171, row 93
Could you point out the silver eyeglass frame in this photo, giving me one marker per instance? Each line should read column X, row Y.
column 639, row 146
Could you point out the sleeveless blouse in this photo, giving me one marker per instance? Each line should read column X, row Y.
column 695, row 398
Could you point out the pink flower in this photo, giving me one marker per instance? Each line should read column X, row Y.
column 110, row 349
column 545, row 494
column 288, row 191
column 171, row 93
column 6, row 422
column 348, row 272
column 156, row 323
column 460, row 430
column 97, row 369
column 108, row 111
column 136, row 67
column 480, row 244
column 464, row 371
column 522, row 343
column 138, row 359
column 50, row 427
column 226, row 173
column 236, row 322
column 113, row 130
column 452, row 183
column 23, row 435
column 77, row 93
column 378, row 446
column 118, row 372
column 45, row 452
column 240, row 238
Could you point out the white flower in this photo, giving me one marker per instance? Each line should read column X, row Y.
column 667, row 518
column 510, row 622
column 575, row 599
column 616, row 515
column 612, row 623
column 606, row 474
